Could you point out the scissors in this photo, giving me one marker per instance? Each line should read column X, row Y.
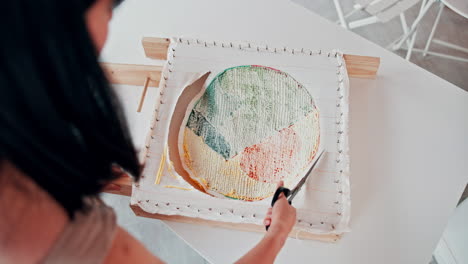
column 292, row 193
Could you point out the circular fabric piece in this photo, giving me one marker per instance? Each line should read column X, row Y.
column 252, row 127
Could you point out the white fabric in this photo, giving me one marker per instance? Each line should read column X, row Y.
column 323, row 205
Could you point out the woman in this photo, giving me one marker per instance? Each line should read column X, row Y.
column 63, row 138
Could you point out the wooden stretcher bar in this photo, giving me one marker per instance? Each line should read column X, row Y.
column 123, row 186
column 331, row 238
column 156, row 48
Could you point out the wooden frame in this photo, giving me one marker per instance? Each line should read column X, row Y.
column 236, row 226
column 123, row 186
column 156, row 48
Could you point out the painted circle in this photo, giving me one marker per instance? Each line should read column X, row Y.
column 251, row 127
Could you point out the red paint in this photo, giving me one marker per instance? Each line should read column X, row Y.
column 273, row 159
column 265, row 67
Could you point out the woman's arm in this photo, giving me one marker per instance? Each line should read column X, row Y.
column 281, row 219
column 265, row 251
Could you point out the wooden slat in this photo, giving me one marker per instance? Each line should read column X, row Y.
column 236, row 226
column 132, row 74
column 358, row 66
column 362, row 66
column 155, row 48
column 143, row 94
column 122, row 186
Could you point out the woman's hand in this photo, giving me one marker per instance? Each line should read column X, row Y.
column 281, row 217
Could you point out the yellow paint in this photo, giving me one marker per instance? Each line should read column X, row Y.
column 177, row 187
column 161, row 167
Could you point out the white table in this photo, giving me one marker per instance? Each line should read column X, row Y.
column 409, row 130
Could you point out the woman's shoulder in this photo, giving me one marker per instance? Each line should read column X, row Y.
column 31, row 219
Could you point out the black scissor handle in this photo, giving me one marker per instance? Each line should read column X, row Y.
column 280, row 190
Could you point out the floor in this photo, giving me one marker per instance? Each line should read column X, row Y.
column 449, row 29
column 154, row 234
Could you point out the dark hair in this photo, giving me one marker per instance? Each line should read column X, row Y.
column 60, row 122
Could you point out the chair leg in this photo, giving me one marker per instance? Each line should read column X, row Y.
column 411, row 46
column 436, row 23
column 450, row 45
column 404, row 26
column 339, row 11
column 413, row 38
column 423, row 12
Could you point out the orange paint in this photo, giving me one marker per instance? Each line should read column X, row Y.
column 273, row 159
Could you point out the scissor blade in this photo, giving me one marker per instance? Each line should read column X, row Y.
column 304, row 179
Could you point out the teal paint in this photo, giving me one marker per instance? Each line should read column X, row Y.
column 201, row 127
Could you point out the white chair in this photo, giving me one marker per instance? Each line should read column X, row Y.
column 381, row 11
column 458, row 6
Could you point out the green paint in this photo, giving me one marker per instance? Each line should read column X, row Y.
column 245, row 104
